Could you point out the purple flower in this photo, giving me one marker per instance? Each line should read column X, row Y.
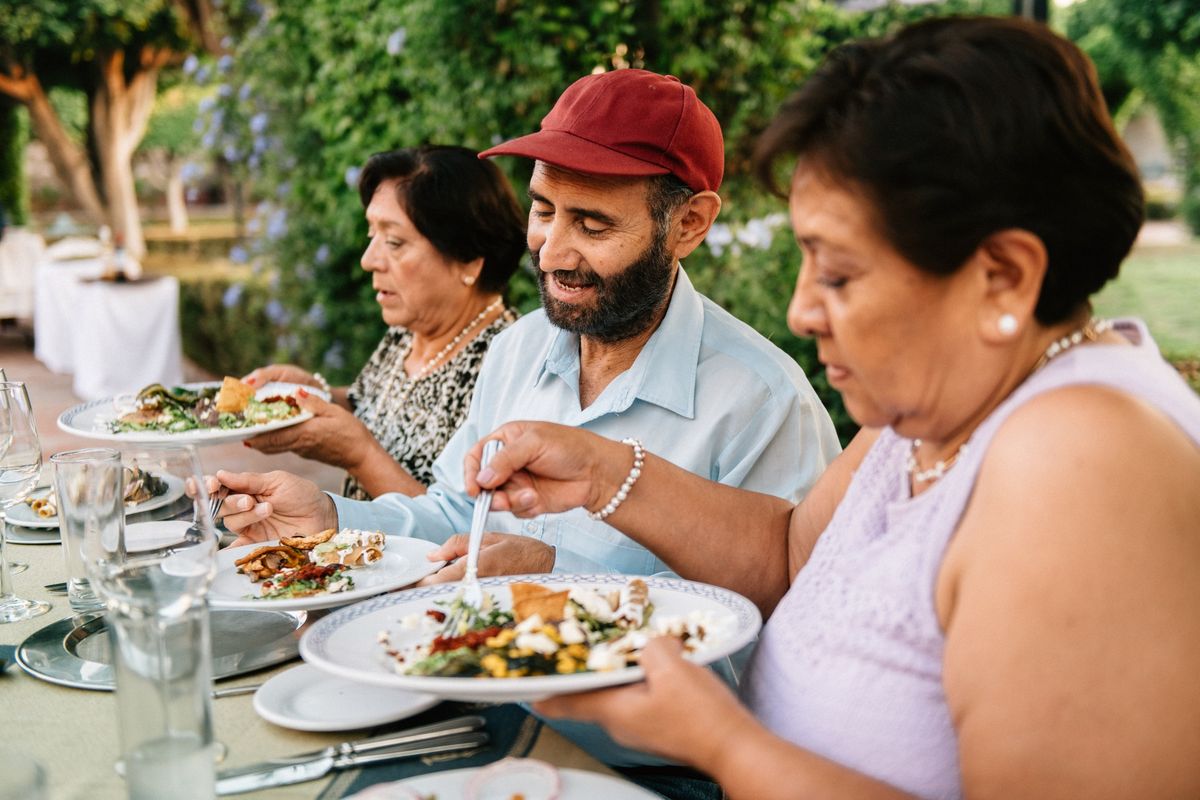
column 190, row 64
column 232, row 295
column 276, row 312
column 244, row 92
column 258, row 123
column 206, row 104
column 395, row 42
column 225, row 63
column 201, row 75
column 351, row 176
column 322, row 254
column 224, row 90
column 238, row 254
column 231, row 153
column 315, row 316
column 335, row 356
column 282, row 189
column 277, row 225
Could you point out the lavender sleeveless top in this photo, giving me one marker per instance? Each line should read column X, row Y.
column 849, row 665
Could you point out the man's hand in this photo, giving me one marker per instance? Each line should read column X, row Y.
column 546, row 468
column 263, row 506
column 499, row 554
column 333, row 435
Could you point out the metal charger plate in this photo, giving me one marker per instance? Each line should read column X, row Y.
column 75, row 651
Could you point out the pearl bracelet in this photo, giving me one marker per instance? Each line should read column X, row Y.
column 322, row 383
column 639, row 458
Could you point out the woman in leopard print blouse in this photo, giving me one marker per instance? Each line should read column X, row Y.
column 445, row 234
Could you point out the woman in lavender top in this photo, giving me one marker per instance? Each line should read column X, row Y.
column 995, row 590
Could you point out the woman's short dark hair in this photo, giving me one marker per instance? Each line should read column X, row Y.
column 958, row 127
column 464, row 206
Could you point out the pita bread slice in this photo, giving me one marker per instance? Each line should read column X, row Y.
column 234, row 395
column 532, row 598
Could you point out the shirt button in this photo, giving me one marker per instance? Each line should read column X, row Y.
column 531, row 527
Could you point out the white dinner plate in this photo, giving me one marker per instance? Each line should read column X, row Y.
column 576, row 785
column 22, row 514
column 306, row 699
column 347, row 643
column 403, row 563
column 90, row 420
column 16, row 534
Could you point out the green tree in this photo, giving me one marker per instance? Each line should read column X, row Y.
column 14, row 134
column 1151, row 52
column 320, row 85
column 112, row 51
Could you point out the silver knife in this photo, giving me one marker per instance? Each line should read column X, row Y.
column 272, row 774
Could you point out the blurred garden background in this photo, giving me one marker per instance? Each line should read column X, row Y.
column 222, row 139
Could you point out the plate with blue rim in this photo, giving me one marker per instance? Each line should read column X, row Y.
column 348, row 642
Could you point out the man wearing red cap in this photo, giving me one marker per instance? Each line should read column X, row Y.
column 624, row 186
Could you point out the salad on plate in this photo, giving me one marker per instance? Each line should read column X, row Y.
column 546, row 632
column 230, row 406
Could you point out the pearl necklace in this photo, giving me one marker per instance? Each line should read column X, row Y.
column 436, row 359
column 1090, row 331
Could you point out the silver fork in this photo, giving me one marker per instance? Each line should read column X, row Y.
column 214, row 505
column 471, row 593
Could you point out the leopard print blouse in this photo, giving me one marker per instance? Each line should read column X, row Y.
column 416, row 433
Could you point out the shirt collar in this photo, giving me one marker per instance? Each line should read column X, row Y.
column 664, row 372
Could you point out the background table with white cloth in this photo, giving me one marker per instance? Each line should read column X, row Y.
column 113, row 337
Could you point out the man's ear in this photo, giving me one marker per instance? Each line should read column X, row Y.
column 1012, row 266
column 695, row 217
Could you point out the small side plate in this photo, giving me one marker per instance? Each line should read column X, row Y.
column 306, row 699
column 75, row 651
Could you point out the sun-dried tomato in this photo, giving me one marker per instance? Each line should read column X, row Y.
column 472, row 639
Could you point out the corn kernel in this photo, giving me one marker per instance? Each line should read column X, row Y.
column 566, row 666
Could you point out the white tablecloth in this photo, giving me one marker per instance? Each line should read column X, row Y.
column 114, row 337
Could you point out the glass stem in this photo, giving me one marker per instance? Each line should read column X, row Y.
column 6, row 592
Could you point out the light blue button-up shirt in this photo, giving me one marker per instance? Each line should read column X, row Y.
column 707, row 392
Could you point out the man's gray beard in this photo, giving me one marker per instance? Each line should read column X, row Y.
column 626, row 303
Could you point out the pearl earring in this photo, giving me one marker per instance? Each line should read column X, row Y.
column 1007, row 324
column 468, row 280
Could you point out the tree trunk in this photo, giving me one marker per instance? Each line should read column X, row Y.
column 176, row 204
column 120, row 111
column 69, row 159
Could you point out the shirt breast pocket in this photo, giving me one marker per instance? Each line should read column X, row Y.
column 585, row 546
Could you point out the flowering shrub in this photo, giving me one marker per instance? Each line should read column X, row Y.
column 315, row 87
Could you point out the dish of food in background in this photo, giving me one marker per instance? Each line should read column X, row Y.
column 306, row 699
column 240, row 585
column 194, row 413
column 143, row 492
column 362, row 642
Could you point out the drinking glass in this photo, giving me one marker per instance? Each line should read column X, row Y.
column 6, row 437
column 154, row 578
column 90, row 486
column 20, row 466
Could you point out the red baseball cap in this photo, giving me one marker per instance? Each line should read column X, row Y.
column 628, row 122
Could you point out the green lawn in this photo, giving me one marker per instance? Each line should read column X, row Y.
column 1162, row 286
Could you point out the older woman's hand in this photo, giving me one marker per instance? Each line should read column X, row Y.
column 262, row 506
column 333, row 435
column 546, row 468
column 681, row 711
column 499, row 554
column 285, row 373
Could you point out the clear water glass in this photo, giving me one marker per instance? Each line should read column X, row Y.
column 21, row 777
column 154, row 578
column 20, row 467
column 90, row 488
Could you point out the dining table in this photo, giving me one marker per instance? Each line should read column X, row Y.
column 112, row 336
column 72, row 733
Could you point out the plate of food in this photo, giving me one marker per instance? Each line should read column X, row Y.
column 528, row 778
column 144, row 491
column 197, row 413
column 535, row 636
column 321, row 570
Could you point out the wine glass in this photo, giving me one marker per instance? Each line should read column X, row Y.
column 153, row 576
column 14, row 567
column 20, row 466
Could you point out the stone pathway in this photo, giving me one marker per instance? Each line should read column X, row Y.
column 51, row 394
